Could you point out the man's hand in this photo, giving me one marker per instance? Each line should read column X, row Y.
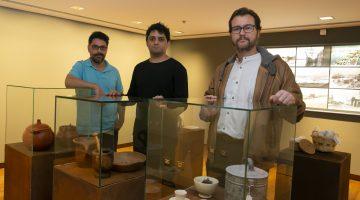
column 282, row 97
column 158, row 97
column 98, row 90
column 207, row 113
column 160, row 104
column 113, row 93
column 211, row 98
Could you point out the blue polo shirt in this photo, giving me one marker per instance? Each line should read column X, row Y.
column 90, row 116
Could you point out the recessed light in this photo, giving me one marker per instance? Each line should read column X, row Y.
column 136, row 22
column 326, row 18
column 178, row 32
column 77, row 8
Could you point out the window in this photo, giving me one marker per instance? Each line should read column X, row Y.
column 329, row 76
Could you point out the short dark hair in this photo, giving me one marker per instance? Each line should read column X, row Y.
column 161, row 28
column 246, row 11
column 99, row 35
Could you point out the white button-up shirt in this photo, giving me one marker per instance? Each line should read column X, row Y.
column 239, row 92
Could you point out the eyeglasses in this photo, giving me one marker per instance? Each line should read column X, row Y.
column 153, row 38
column 248, row 28
column 101, row 48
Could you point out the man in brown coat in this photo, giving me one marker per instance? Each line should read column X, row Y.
column 251, row 76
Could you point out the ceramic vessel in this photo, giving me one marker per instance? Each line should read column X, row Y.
column 205, row 185
column 102, row 163
column 65, row 135
column 243, row 182
column 38, row 137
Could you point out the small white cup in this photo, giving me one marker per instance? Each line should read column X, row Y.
column 180, row 194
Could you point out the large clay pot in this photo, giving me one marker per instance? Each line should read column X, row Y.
column 65, row 136
column 103, row 166
column 38, row 137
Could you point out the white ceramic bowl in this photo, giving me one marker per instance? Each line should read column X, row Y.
column 205, row 189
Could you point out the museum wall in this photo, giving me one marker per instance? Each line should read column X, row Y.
column 39, row 51
column 205, row 54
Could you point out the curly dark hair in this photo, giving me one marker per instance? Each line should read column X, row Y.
column 161, row 28
column 99, row 35
column 246, row 11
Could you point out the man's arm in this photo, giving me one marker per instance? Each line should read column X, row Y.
column 181, row 83
column 73, row 82
column 132, row 92
column 208, row 113
column 290, row 93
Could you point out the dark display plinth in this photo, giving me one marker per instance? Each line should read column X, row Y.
column 321, row 176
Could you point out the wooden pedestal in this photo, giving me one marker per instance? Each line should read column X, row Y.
column 73, row 182
column 321, row 176
column 189, row 156
column 28, row 175
column 177, row 161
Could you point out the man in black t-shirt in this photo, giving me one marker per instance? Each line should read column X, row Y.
column 158, row 77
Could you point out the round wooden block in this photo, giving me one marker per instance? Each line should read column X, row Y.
column 128, row 161
column 306, row 146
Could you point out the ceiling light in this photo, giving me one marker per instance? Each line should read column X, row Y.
column 326, row 18
column 77, row 8
column 136, row 22
column 178, row 32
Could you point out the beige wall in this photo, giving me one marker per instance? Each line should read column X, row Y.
column 200, row 57
column 349, row 136
column 38, row 50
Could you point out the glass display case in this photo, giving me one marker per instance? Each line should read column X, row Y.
column 30, row 116
column 29, row 141
column 93, row 127
column 226, row 150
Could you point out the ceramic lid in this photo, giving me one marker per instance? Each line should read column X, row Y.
column 239, row 171
column 39, row 127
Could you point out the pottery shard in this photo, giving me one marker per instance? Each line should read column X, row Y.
column 306, row 146
column 128, row 161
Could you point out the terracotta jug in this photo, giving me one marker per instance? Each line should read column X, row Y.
column 38, row 137
column 65, row 135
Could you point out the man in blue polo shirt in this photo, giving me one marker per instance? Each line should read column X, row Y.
column 102, row 78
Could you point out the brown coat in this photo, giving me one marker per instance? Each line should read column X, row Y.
column 274, row 75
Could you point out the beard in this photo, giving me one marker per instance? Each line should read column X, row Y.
column 98, row 58
column 248, row 47
column 156, row 52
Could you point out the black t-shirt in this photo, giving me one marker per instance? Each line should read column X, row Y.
column 167, row 78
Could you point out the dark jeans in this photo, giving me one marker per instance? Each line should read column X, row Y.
column 228, row 151
column 111, row 141
column 140, row 136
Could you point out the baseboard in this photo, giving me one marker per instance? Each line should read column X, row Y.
column 125, row 145
column 2, row 165
column 354, row 177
